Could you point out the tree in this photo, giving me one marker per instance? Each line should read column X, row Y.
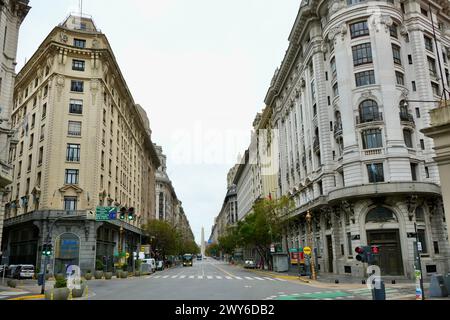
column 165, row 236
column 264, row 226
column 212, row 250
column 229, row 241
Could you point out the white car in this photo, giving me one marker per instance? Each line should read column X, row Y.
column 152, row 263
column 249, row 264
column 26, row 271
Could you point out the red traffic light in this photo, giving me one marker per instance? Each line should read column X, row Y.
column 359, row 250
column 375, row 250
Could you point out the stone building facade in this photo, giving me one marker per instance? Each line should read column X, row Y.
column 81, row 143
column 12, row 14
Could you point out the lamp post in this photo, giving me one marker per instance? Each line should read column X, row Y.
column 310, row 240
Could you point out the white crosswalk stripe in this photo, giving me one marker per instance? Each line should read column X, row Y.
column 209, row 277
column 248, row 278
column 156, row 277
column 267, row 278
column 282, row 280
column 165, row 277
column 173, row 277
column 229, row 278
column 239, row 278
column 191, row 277
column 200, row 277
column 261, row 279
column 182, row 277
column 218, row 277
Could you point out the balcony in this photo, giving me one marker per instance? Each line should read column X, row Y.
column 373, row 152
column 407, row 117
column 316, row 144
column 337, row 129
column 5, row 174
column 368, row 118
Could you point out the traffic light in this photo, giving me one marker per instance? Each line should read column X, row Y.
column 131, row 214
column 361, row 254
column 375, row 249
column 47, row 250
column 123, row 211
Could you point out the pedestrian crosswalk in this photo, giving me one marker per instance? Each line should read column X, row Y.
column 213, row 277
column 4, row 295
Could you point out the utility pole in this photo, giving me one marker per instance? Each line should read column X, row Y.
column 419, row 263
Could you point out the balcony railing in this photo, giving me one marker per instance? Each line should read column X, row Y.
column 337, row 129
column 316, row 144
column 406, row 117
column 373, row 117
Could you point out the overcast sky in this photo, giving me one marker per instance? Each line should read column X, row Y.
column 201, row 70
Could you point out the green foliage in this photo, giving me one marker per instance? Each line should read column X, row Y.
column 229, row 241
column 60, row 283
column 212, row 250
column 165, row 236
column 99, row 265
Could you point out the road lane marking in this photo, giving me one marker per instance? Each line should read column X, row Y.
column 239, row 278
column 182, row 277
column 248, row 278
column 191, row 277
column 219, row 277
column 226, row 272
column 156, row 277
column 165, row 277
column 282, row 280
column 210, row 277
column 261, row 279
column 229, row 278
column 173, row 277
column 200, row 277
column 267, row 278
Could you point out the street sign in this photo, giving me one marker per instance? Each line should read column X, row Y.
column 105, row 213
column 419, row 246
column 127, row 255
column 272, row 248
column 307, row 250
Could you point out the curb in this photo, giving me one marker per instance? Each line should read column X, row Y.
column 33, row 297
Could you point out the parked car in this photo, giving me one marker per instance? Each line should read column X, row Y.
column 152, row 264
column 24, row 271
column 249, row 264
column 10, row 270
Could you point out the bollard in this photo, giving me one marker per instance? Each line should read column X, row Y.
column 380, row 292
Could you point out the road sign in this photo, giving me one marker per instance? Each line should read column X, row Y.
column 105, row 213
column 307, row 250
column 127, row 255
column 272, row 248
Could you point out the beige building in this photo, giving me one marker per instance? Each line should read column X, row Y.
column 81, row 144
column 12, row 13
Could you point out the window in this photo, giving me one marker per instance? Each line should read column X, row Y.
column 393, row 30
column 70, row 204
column 410, row 61
column 79, row 43
column 407, row 135
column 420, row 214
column 418, row 113
column 376, row 173
column 368, row 111
column 381, row 215
column 77, row 86
column 435, row 88
column 432, row 66
column 428, row 43
column 73, row 153
column 422, row 144
column 38, row 179
column 362, row 54
column 44, row 111
column 71, row 176
column 335, row 90
column 30, row 162
column 78, row 65
column 333, row 66
column 422, row 240
column 413, row 84
column 444, row 56
column 33, row 120
column 359, row 29
column 313, row 91
column 31, row 140
column 42, row 132
column 427, row 172
column 365, row 78
column 436, row 247
column 372, row 139
column 74, row 128
column 76, row 106
column 400, row 78
column 396, row 54
column 41, row 155
column 424, row 12
column 414, row 171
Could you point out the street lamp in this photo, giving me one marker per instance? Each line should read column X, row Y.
column 310, row 240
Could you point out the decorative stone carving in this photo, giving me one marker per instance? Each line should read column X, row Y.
column 60, row 83
column 334, row 32
column 63, row 37
column 95, row 44
column 349, row 208
column 412, row 204
column 403, row 30
column 335, row 6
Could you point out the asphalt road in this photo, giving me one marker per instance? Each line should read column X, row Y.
column 206, row 280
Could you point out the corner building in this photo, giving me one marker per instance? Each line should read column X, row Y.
column 351, row 150
column 80, row 143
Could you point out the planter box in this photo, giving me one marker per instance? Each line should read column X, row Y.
column 108, row 275
column 124, row 274
column 118, row 273
column 88, row 276
column 78, row 293
column 57, row 294
column 98, row 275
column 137, row 273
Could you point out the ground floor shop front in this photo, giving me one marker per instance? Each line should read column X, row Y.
column 79, row 241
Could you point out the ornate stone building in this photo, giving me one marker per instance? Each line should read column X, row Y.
column 346, row 107
column 81, row 143
column 12, row 14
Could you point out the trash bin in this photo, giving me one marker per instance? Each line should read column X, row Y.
column 40, row 279
column 437, row 286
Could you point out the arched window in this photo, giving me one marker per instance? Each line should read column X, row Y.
column 408, row 136
column 368, row 111
column 381, row 215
